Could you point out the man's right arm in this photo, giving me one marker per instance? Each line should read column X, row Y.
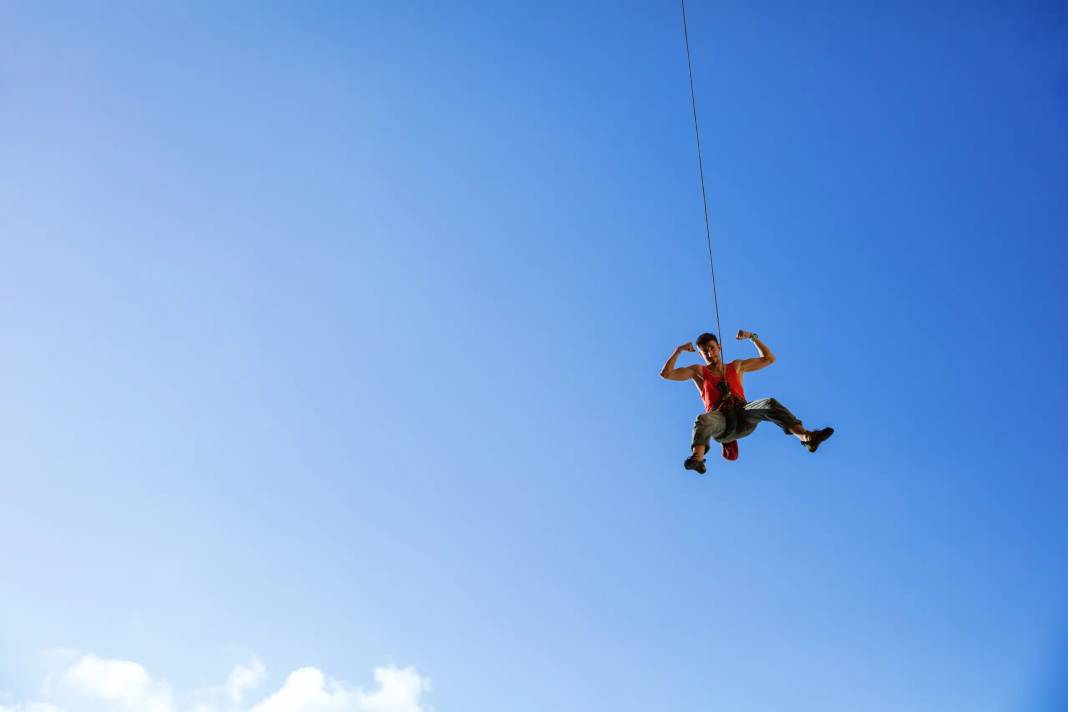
column 671, row 373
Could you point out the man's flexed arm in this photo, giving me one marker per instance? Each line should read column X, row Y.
column 677, row 374
column 766, row 357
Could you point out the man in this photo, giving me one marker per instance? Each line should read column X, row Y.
column 728, row 417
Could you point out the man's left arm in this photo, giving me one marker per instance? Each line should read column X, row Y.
column 766, row 357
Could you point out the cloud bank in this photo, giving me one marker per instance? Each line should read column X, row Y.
column 88, row 683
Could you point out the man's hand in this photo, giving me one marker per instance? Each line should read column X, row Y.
column 743, row 335
column 685, row 347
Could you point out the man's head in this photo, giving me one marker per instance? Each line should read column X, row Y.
column 708, row 346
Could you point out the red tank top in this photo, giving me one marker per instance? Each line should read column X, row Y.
column 710, row 392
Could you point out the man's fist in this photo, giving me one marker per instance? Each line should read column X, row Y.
column 743, row 335
column 685, row 347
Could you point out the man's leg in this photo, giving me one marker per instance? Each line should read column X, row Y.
column 705, row 427
column 771, row 410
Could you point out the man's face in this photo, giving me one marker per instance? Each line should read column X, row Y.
column 710, row 351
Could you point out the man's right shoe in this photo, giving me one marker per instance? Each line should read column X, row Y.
column 816, row 437
column 692, row 463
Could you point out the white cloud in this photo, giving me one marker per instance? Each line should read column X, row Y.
column 244, row 678
column 399, row 690
column 124, row 685
column 308, row 690
column 86, row 683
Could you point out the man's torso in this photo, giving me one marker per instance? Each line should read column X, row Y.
column 701, row 373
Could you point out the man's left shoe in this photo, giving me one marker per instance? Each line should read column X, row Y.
column 816, row 437
column 692, row 463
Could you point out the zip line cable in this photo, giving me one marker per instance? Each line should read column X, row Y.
column 701, row 169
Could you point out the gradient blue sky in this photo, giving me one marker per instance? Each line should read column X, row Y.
column 331, row 335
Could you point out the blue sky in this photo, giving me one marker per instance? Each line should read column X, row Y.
column 332, row 335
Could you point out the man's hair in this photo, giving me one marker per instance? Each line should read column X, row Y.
column 705, row 338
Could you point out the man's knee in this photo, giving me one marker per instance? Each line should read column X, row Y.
column 708, row 425
column 705, row 420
